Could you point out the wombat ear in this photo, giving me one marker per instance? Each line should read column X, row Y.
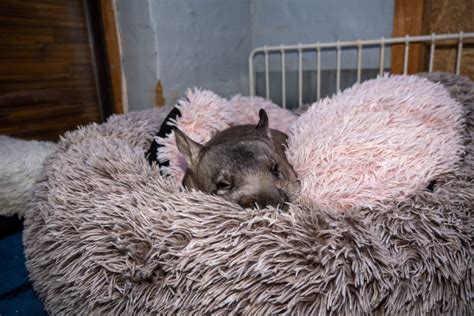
column 262, row 125
column 188, row 147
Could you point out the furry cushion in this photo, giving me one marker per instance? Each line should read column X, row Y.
column 20, row 165
column 203, row 114
column 361, row 148
column 108, row 234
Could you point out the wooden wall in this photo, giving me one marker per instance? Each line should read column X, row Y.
column 410, row 17
column 423, row 17
column 47, row 83
column 452, row 16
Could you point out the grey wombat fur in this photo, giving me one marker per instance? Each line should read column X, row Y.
column 245, row 164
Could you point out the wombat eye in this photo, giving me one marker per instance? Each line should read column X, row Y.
column 223, row 186
column 276, row 170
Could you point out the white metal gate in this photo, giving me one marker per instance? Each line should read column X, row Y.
column 433, row 39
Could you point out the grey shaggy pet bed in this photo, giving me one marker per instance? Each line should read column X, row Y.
column 107, row 235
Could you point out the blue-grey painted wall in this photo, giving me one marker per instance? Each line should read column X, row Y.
column 276, row 22
column 185, row 43
column 205, row 43
column 202, row 43
column 139, row 52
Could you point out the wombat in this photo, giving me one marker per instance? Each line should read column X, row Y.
column 245, row 164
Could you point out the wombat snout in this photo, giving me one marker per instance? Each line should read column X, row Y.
column 262, row 200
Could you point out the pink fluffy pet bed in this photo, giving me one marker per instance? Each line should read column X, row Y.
column 358, row 149
column 383, row 223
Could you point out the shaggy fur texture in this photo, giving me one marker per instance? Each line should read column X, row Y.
column 20, row 165
column 203, row 114
column 108, row 235
column 361, row 148
column 366, row 148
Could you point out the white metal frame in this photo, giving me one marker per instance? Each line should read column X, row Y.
column 359, row 44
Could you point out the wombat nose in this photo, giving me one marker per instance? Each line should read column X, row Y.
column 275, row 203
column 263, row 200
column 248, row 201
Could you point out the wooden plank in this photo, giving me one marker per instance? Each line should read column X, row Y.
column 22, row 120
column 410, row 18
column 43, row 84
column 26, row 35
column 7, row 68
column 46, row 113
column 71, row 72
column 113, row 53
column 34, row 125
column 31, row 129
column 56, row 3
column 16, row 100
column 27, row 77
column 73, row 5
column 77, row 53
column 47, row 83
column 37, row 10
column 15, row 21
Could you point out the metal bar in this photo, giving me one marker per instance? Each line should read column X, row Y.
column 318, row 74
column 382, row 42
column 395, row 40
column 458, row 57
column 283, row 78
column 359, row 62
column 267, row 77
column 405, row 57
column 251, row 75
column 338, row 68
column 432, row 50
column 382, row 56
column 300, row 77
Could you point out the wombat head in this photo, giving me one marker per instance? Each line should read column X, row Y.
column 244, row 164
